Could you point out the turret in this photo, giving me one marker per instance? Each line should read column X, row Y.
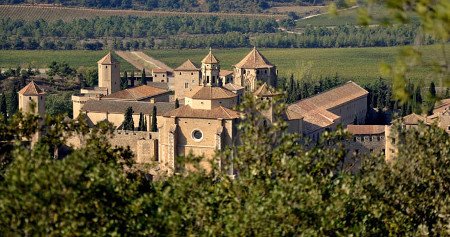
column 210, row 70
column 109, row 73
column 32, row 99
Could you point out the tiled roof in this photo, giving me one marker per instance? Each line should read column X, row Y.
column 441, row 106
column 365, row 129
column 315, row 109
column 265, row 91
column 210, row 58
column 224, row 73
column 233, row 87
column 111, row 106
column 210, row 93
column 217, row 113
column 254, row 60
column 187, row 66
column 413, row 119
column 137, row 93
column 159, row 70
column 108, row 59
column 31, row 89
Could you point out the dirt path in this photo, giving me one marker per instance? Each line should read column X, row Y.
column 141, row 60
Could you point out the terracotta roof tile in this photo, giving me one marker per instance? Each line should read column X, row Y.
column 159, row 70
column 254, row 60
column 265, row 91
column 111, row 106
column 413, row 119
column 187, row 66
column 210, row 93
column 315, row 109
column 224, row 73
column 136, row 93
column 216, row 113
column 31, row 89
column 108, row 59
column 365, row 129
column 210, row 58
column 233, row 87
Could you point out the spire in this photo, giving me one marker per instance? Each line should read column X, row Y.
column 253, row 60
column 210, row 58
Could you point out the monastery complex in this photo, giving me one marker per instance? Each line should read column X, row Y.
column 204, row 119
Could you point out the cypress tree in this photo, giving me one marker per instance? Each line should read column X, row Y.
column 154, row 121
column 145, row 124
column 141, row 122
column 143, row 77
column 432, row 90
column 3, row 107
column 132, row 78
column 177, row 104
column 128, row 123
column 13, row 105
column 124, row 81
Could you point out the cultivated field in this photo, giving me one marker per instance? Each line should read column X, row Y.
column 53, row 13
column 358, row 64
column 344, row 17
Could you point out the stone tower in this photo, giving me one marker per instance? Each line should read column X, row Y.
column 254, row 70
column 210, row 70
column 109, row 73
column 32, row 99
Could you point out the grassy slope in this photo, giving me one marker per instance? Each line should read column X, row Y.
column 358, row 64
column 53, row 13
column 345, row 17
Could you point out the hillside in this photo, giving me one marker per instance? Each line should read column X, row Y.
column 54, row 13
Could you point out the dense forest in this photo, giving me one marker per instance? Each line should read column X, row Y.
column 191, row 32
column 181, row 5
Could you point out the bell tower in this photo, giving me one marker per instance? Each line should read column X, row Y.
column 210, row 70
column 109, row 73
column 32, row 99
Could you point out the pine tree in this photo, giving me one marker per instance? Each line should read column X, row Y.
column 355, row 120
column 13, row 105
column 154, row 121
column 128, row 123
column 3, row 107
column 132, row 78
column 177, row 104
column 124, row 81
column 143, row 77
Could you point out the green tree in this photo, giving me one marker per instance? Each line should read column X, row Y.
column 128, row 123
column 143, row 78
column 177, row 103
column 3, row 107
column 154, row 120
column 141, row 126
column 13, row 102
column 124, row 81
column 132, row 78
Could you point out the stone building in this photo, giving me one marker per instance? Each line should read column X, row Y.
column 367, row 139
column 109, row 74
column 140, row 93
column 186, row 77
column 253, row 69
column 32, row 99
column 325, row 111
column 113, row 111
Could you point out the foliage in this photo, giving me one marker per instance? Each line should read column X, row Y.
column 13, row 101
column 61, row 69
column 143, row 78
column 177, row 103
column 128, row 122
column 59, row 104
column 3, row 107
column 154, row 125
column 124, row 81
